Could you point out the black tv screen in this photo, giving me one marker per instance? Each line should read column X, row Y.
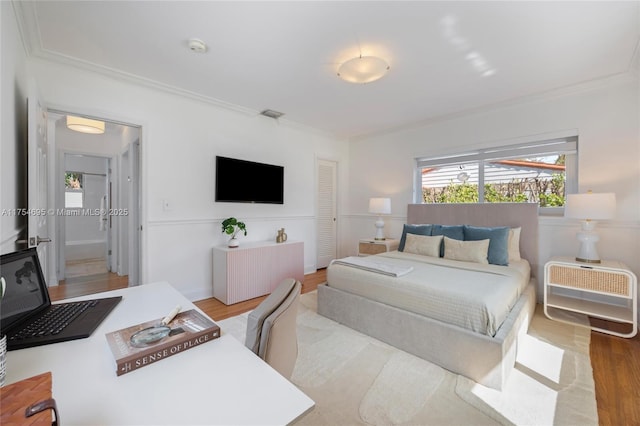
column 241, row 181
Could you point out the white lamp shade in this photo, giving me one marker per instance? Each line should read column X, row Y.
column 363, row 69
column 591, row 206
column 380, row 205
column 85, row 125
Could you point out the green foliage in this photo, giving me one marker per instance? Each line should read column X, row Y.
column 231, row 226
column 498, row 194
column 551, row 200
column 72, row 180
column 546, row 192
column 462, row 193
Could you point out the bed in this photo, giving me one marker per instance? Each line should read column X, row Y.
column 465, row 317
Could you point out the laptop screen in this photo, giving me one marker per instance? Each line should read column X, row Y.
column 26, row 290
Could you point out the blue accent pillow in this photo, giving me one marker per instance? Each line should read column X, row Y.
column 455, row 232
column 413, row 229
column 498, row 241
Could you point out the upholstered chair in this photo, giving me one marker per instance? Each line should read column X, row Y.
column 271, row 327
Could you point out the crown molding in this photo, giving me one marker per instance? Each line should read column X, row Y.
column 598, row 83
column 31, row 39
column 28, row 27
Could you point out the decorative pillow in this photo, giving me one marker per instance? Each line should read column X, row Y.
column 413, row 229
column 423, row 244
column 498, row 245
column 455, row 232
column 514, row 244
column 466, row 251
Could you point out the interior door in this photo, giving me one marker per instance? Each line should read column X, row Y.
column 134, row 213
column 326, row 214
column 38, row 184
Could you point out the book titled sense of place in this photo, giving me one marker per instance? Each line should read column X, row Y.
column 187, row 330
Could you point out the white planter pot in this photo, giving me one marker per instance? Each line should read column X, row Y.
column 234, row 242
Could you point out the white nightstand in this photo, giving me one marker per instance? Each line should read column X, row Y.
column 566, row 281
column 370, row 246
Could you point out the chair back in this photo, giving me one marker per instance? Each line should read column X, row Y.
column 271, row 327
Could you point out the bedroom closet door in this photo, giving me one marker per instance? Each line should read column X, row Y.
column 326, row 212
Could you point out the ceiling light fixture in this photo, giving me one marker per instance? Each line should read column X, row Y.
column 363, row 69
column 85, row 125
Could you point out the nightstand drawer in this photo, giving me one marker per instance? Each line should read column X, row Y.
column 371, row 248
column 590, row 279
column 368, row 247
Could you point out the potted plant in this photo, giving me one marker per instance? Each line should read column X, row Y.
column 231, row 226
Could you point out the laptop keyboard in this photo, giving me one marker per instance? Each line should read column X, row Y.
column 52, row 322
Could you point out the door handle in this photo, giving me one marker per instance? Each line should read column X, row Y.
column 34, row 241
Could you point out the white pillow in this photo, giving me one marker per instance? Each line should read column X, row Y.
column 514, row 244
column 466, row 251
column 423, row 244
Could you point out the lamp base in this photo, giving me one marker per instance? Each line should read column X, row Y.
column 588, row 239
column 379, row 229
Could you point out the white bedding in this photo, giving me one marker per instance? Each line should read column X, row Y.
column 473, row 296
column 375, row 264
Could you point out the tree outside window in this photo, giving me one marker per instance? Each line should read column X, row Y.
column 487, row 177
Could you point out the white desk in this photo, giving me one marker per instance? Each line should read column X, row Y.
column 219, row 382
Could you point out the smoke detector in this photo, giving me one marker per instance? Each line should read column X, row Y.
column 197, row 45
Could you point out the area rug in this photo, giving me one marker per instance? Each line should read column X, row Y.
column 355, row 379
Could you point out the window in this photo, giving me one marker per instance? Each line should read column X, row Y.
column 540, row 172
column 73, row 190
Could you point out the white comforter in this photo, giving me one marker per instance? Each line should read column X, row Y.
column 473, row 296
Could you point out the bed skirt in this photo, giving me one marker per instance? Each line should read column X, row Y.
column 484, row 359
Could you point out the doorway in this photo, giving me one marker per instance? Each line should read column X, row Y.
column 86, row 197
column 97, row 189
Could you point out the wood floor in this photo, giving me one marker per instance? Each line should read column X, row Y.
column 615, row 360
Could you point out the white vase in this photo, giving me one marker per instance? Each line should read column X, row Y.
column 234, row 242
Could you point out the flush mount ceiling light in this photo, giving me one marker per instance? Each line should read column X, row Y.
column 363, row 69
column 85, row 125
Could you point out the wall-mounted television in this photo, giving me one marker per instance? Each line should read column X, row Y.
column 241, row 181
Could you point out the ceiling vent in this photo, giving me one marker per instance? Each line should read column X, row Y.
column 272, row 114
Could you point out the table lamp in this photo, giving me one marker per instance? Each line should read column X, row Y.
column 380, row 206
column 588, row 208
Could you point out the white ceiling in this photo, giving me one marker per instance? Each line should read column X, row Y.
column 284, row 55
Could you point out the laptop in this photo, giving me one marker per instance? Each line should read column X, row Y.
column 27, row 315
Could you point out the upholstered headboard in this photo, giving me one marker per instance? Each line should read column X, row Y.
column 513, row 215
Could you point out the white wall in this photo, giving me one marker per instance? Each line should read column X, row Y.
column 606, row 117
column 13, row 129
column 180, row 138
